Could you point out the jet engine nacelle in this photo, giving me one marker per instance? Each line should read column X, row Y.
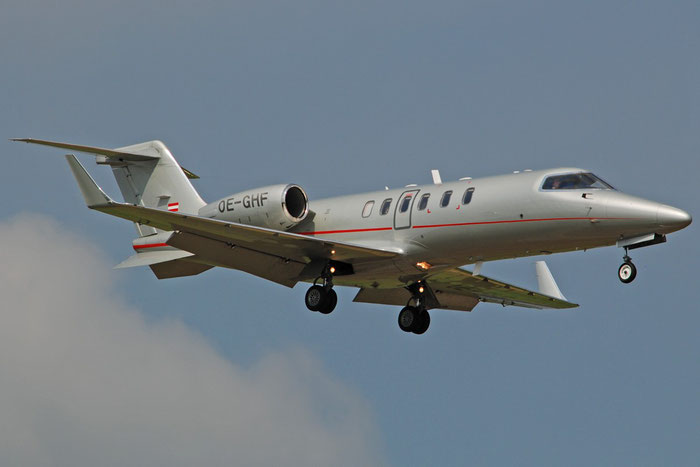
column 279, row 207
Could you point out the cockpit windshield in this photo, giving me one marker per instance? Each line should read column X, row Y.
column 575, row 181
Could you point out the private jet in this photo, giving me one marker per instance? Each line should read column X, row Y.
column 404, row 247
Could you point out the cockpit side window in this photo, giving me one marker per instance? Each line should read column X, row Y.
column 575, row 181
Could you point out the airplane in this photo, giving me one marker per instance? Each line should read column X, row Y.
column 403, row 247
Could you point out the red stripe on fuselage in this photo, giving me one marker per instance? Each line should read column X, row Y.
column 432, row 226
column 325, row 232
column 515, row 221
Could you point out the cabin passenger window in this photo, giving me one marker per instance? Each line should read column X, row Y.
column 367, row 210
column 445, row 198
column 423, row 203
column 405, row 203
column 386, row 204
column 468, row 196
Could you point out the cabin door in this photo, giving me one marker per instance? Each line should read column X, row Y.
column 402, row 214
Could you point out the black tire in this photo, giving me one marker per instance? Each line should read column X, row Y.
column 627, row 272
column 330, row 302
column 423, row 323
column 315, row 298
column 408, row 317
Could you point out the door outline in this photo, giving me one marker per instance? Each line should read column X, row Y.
column 402, row 220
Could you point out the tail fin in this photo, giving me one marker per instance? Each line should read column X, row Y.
column 156, row 183
column 147, row 175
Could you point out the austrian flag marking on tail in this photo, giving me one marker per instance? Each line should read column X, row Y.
column 174, row 207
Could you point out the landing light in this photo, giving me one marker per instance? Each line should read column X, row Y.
column 423, row 265
column 332, row 269
column 332, row 252
column 421, row 289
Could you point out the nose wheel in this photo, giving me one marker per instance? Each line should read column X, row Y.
column 627, row 271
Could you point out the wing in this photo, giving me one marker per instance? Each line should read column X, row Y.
column 459, row 282
column 458, row 289
column 285, row 245
column 282, row 257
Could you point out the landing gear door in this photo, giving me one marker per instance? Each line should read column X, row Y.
column 402, row 214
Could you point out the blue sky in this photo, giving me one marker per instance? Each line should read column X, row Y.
column 342, row 97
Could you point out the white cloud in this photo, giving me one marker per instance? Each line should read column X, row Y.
column 85, row 380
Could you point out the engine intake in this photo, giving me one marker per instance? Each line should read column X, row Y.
column 279, row 207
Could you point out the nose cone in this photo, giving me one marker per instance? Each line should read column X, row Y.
column 673, row 218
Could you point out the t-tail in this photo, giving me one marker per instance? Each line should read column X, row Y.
column 147, row 175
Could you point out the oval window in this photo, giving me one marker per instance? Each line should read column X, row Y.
column 468, row 196
column 423, row 203
column 367, row 210
column 445, row 198
column 405, row 203
column 386, row 204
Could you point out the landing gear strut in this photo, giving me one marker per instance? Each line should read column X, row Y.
column 322, row 298
column 627, row 271
column 415, row 319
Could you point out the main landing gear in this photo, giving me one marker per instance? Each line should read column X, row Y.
column 627, row 271
column 322, row 298
column 415, row 319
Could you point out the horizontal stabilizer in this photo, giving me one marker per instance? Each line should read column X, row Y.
column 112, row 155
column 109, row 153
column 148, row 258
column 93, row 194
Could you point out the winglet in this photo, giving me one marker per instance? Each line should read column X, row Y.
column 545, row 281
column 93, row 194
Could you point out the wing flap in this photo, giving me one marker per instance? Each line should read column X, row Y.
column 461, row 282
column 401, row 296
column 178, row 268
column 270, row 267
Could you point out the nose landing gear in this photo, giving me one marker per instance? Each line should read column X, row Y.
column 322, row 298
column 627, row 271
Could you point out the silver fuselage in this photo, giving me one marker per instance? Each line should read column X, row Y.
column 508, row 216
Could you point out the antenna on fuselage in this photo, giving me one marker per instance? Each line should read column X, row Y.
column 437, row 180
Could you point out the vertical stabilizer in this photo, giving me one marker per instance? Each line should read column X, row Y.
column 156, row 183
